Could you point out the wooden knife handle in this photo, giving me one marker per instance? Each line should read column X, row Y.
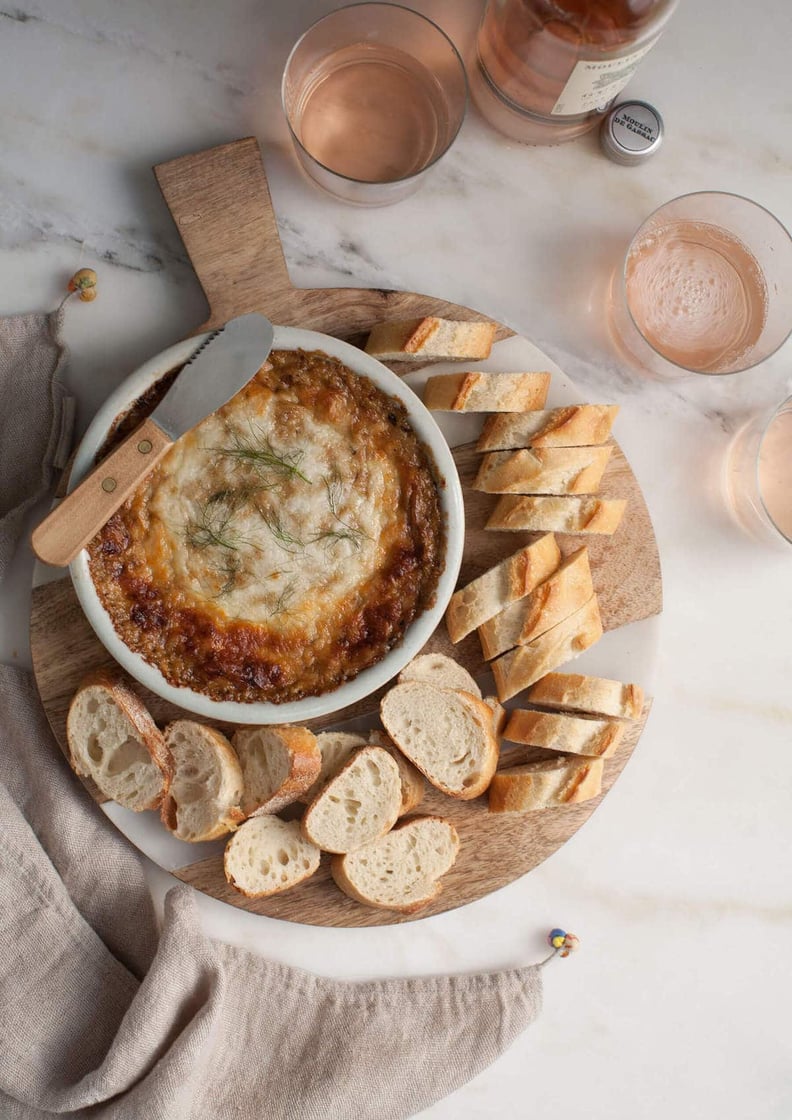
column 81, row 515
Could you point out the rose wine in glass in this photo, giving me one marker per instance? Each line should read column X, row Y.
column 696, row 294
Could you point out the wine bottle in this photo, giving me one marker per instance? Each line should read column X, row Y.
column 546, row 71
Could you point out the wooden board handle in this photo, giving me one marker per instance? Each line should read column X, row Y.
column 81, row 515
column 221, row 204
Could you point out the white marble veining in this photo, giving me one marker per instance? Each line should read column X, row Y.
column 679, row 885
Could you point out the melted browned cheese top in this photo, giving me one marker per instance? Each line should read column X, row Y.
column 282, row 545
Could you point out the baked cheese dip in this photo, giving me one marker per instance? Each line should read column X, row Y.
column 284, row 544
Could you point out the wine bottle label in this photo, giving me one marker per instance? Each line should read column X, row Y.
column 593, row 85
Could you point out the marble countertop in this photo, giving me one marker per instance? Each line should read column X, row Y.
column 679, row 885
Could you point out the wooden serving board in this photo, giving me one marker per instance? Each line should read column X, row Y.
column 221, row 204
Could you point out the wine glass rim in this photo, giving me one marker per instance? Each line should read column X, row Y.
column 680, row 198
column 402, row 178
column 787, row 403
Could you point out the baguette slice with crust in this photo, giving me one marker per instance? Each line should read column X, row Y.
column 335, row 750
column 359, row 804
column 558, row 515
column 520, row 667
column 545, row 785
column 415, row 340
column 499, row 716
column 486, row 392
column 491, row 592
column 278, row 764
column 594, row 695
column 412, row 782
column 204, row 796
column 447, row 734
column 578, row 425
column 114, row 741
column 543, row 470
column 436, row 668
column 267, row 855
column 595, row 738
column 567, row 589
column 402, row 870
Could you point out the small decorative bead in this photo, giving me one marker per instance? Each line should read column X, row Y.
column 564, row 943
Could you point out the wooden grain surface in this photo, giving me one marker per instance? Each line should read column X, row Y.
column 221, row 204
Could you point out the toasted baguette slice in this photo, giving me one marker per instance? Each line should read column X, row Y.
column 557, row 515
column 579, row 425
column 499, row 716
column 335, row 750
column 595, row 738
column 520, row 667
column 567, row 589
column 546, row 784
column 436, row 668
column 267, row 855
column 594, row 695
column 446, row 734
column 278, row 764
column 359, row 804
column 412, row 782
column 114, row 741
column 491, row 592
column 486, row 392
column 416, row 340
column 543, row 470
column 402, row 870
column 204, row 796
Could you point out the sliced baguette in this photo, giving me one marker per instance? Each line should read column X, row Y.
column 567, row 589
column 114, row 741
column 520, row 667
column 278, row 764
column 335, row 750
column 413, row 340
column 204, row 796
column 543, row 470
column 545, row 785
column 499, row 716
column 448, row 735
column 436, row 668
column 412, row 782
column 486, row 392
column 558, row 515
column 595, row 738
column 402, row 870
column 579, row 425
column 593, row 695
column 491, row 592
column 267, row 855
column 359, row 804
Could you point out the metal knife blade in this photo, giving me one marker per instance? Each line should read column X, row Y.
column 215, row 373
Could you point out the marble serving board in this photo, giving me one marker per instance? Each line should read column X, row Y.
column 220, row 202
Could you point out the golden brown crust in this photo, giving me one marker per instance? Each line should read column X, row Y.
column 195, row 644
column 589, row 737
column 564, row 592
column 477, row 391
column 523, row 666
column 138, row 714
column 549, row 470
column 515, row 513
column 492, row 591
column 593, row 695
column 574, row 426
column 545, row 785
column 305, row 762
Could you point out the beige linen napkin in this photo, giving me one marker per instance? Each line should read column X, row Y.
column 101, row 1014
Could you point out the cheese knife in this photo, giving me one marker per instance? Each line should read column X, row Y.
column 212, row 376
